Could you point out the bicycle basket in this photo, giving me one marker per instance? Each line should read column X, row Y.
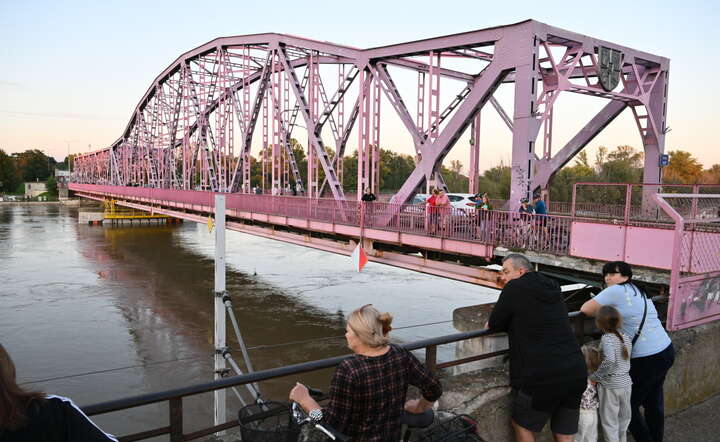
column 459, row 428
column 269, row 422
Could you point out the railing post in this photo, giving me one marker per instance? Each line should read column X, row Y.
column 431, row 357
column 628, row 200
column 176, row 420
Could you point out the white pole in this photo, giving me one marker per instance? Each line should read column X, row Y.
column 220, row 334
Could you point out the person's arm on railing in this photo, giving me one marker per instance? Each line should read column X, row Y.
column 429, row 385
column 501, row 314
column 338, row 410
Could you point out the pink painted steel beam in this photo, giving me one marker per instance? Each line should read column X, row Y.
column 202, row 84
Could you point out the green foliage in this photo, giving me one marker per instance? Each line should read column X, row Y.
column 496, row 181
column 33, row 165
column 8, row 175
column 683, row 169
column 51, row 186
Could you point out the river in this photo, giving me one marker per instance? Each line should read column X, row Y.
column 97, row 313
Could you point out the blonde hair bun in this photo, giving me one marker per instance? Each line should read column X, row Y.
column 385, row 320
column 371, row 326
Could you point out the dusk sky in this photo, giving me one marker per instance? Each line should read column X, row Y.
column 71, row 73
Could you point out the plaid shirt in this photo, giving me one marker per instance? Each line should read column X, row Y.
column 367, row 394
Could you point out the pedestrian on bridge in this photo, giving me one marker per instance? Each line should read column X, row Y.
column 432, row 212
column 444, row 208
column 547, row 369
column 652, row 350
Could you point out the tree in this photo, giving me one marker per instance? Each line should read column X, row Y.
column 683, row 169
column 622, row 165
column 712, row 175
column 33, row 165
column 496, row 181
column 51, row 186
column 8, row 177
column 561, row 186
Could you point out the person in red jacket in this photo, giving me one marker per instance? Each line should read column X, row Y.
column 433, row 212
column 33, row 416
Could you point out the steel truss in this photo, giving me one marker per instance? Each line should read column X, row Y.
column 195, row 126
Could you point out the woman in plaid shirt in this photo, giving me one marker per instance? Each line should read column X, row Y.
column 368, row 389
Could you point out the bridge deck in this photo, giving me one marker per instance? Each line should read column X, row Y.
column 408, row 227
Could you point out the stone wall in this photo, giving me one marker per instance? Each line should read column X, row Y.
column 484, row 391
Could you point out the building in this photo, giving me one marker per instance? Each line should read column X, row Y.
column 34, row 189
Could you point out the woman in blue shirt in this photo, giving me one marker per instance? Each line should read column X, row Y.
column 652, row 351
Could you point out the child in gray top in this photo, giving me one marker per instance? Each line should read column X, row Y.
column 613, row 375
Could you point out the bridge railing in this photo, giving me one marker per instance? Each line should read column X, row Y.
column 174, row 398
column 546, row 233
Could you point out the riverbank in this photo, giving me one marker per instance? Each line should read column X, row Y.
column 70, row 202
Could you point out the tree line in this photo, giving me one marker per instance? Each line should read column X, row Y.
column 623, row 164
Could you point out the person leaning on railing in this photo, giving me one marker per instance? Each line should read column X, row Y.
column 32, row 416
column 547, row 369
column 368, row 389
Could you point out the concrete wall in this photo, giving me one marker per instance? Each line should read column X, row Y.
column 484, row 391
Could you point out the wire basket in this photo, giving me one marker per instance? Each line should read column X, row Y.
column 267, row 422
column 460, row 428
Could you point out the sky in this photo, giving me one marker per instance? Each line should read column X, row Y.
column 71, row 73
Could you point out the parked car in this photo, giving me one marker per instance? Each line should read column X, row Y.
column 461, row 200
column 457, row 200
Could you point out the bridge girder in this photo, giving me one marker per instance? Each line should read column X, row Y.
column 183, row 132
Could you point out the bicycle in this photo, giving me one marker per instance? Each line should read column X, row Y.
column 265, row 425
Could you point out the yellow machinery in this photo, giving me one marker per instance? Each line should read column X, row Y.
column 115, row 212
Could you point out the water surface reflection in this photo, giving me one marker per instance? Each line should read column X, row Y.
column 78, row 299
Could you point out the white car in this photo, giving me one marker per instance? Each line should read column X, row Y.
column 461, row 200
column 457, row 200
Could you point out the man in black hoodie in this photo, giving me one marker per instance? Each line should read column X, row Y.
column 547, row 369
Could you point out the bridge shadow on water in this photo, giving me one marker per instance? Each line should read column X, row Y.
column 164, row 292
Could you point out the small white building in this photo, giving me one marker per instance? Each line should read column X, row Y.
column 34, row 189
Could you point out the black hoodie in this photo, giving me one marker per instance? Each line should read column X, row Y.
column 543, row 348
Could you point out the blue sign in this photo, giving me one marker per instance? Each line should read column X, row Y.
column 664, row 160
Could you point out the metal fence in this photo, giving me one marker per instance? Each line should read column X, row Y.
column 175, row 397
column 545, row 233
column 695, row 274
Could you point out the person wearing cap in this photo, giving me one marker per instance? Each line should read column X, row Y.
column 524, row 224
column 525, row 206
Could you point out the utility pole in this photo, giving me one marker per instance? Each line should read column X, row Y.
column 220, row 333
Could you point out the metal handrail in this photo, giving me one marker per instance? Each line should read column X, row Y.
column 262, row 375
column 175, row 396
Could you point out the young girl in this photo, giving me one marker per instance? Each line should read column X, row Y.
column 613, row 375
column 588, row 423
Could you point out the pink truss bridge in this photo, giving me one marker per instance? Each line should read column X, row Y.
column 192, row 134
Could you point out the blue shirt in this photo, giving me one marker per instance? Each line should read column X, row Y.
column 629, row 301
column 540, row 208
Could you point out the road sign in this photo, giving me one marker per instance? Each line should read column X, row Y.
column 664, row 160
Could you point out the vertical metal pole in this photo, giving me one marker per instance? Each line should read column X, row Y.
column 375, row 161
column 220, row 334
column 474, row 154
column 363, row 130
